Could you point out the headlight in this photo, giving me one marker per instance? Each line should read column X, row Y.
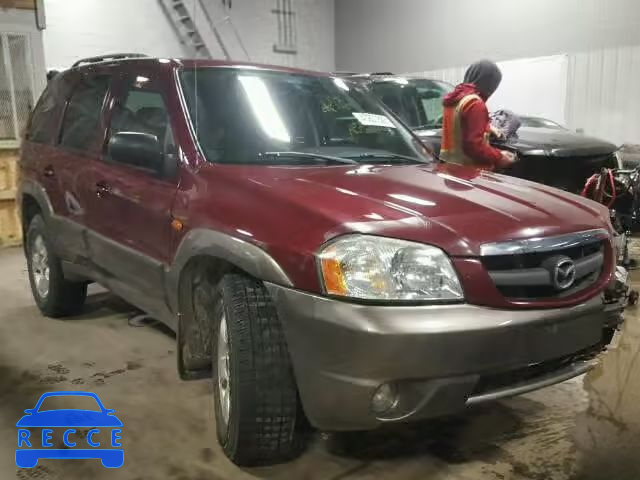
column 378, row 268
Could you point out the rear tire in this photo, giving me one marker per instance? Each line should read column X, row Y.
column 55, row 296
column 258, row 416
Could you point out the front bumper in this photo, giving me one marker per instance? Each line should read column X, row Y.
column 439, row 359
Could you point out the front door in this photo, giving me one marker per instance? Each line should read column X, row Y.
column 130, row 232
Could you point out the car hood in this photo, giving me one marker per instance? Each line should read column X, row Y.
column 456, row 208
column 544, row 141
column 69, row 418
column 561, row 143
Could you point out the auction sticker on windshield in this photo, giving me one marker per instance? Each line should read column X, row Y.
column 373, row 120
column 92, row 431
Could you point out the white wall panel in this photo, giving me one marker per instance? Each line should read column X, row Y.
column 415, row 35
column 604, row 98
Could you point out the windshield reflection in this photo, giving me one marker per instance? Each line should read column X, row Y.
column 239, row 115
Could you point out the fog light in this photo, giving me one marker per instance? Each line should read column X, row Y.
column 384, row 398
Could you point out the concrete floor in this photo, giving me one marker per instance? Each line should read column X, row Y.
column 587, row 428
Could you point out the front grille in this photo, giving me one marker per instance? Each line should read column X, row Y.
column 533, row 260
column 540, row 292
column 565, row 173
column 527, row 270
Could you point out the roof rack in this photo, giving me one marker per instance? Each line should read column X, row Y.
column 107, row 57
column 381, row 73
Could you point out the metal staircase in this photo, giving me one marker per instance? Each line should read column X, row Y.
column 194, row 25
column 185, row 28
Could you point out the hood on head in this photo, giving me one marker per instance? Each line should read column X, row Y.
column 458, row 93
column 485, row 75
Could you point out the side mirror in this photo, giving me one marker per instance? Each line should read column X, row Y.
column 137, row 149
column 29, row 410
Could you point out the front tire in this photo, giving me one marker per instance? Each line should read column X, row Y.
column 54, row 295
column 258, row 417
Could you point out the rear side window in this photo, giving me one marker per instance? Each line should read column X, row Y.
column 82, row 117
column 43, row 126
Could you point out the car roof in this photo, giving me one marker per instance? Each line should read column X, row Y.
column 173, row 63
column 387, row 77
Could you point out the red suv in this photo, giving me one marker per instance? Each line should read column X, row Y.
column 310, row 254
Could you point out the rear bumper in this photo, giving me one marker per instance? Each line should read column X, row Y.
column 438, row 358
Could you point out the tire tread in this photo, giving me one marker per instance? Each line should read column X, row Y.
column 269, row 414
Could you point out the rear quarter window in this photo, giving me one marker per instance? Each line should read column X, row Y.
column 81, row 121
column 45, row 119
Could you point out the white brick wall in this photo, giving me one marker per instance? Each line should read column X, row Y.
column 83, row 28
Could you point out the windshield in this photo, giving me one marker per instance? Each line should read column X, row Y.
column 536, row 122
column 257, row 116
column 418, row 102
column 76, row 402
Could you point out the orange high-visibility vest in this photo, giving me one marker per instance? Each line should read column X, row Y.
column 451, row 150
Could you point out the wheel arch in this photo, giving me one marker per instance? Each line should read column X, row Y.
column 218, row 254
column 33, row 200
column 222, row 251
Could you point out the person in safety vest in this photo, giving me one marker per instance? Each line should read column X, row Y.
column 466, row 127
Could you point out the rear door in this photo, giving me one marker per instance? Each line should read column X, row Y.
column 66, row 168
column 131, row 208
column 39, row 149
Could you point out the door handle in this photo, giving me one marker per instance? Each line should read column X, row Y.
column 49, row 172
column 102, row 189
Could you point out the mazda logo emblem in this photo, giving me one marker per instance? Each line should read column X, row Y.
column 563, row 274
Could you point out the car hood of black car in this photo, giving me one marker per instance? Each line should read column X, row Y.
column 543, row 141
column 560, row 143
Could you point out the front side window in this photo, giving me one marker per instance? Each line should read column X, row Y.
column 143, row 111
column 418, row 102
column 243, row 116
column 82, row 118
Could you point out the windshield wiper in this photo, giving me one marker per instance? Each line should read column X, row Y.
column 427, row 127
column 310, row 156
column 386, row 157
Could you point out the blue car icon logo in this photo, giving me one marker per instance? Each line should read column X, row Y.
column 31, row 447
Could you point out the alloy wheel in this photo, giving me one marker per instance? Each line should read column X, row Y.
column 40, row 266
column 224, row 384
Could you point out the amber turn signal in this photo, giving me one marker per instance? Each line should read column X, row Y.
column 177, row 225
column 334, row 281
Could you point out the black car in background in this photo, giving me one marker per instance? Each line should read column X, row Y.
column 548, row 153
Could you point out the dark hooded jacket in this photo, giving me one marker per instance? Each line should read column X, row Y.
column 486, row 76
column 481, row 79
